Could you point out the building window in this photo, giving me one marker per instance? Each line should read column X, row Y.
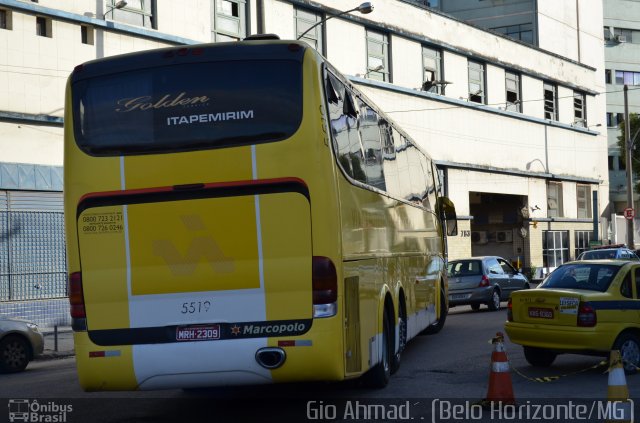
column 86, row 34
column 614, row 119
column 136, row 12
column 582, row 241
column 378, row 56
column 550, row 101
column 512, row 82
column 554, row 199
column 229, row 20
column 305, row 20
column 476, row 82
column 626, row 35
column 627, row 78
column 607, row 76
column 522, row 32
column 611, row 163
column 5, row 19
column 432, row 70
column 584, row 201
column 622, row 165
column 555, row 248
column 579, row 109
column 43, row 27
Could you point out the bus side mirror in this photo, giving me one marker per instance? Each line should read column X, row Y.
column 447, row 212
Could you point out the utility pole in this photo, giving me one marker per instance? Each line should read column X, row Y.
column 628, row 147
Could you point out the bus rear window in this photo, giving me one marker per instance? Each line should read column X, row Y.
column 188, row 107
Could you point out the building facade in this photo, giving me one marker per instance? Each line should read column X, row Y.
column 512, row 125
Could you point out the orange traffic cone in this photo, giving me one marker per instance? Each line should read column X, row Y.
column 500, row 388
column 619, row 406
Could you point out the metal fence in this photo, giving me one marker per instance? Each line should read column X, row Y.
column 33, row 282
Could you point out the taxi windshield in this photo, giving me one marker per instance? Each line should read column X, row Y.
column 593, row 277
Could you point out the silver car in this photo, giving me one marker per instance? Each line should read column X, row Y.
column 20, row 342
column 483, row 280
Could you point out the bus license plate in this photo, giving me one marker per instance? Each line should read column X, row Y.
column 198, row 333
column 541, row 313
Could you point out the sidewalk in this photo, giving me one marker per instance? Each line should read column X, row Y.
column 65, row 343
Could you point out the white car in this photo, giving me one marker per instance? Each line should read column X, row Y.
column 20, row 342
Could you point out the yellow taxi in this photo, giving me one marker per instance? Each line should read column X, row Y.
column 583, row 307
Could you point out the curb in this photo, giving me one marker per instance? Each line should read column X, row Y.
column 53, row 355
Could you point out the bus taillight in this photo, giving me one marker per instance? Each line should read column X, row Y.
column 76, row 296
column 325, row 287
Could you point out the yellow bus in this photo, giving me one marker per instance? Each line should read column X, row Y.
column 239, row 213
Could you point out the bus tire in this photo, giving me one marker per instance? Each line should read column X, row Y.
column 402, row 336
column 437, row 326
column 379, row 375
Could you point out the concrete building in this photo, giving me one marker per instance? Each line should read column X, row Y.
column 512, row 126
column 622, row 66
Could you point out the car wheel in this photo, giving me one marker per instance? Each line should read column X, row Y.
column 494, row 303
column 379, row 375
column 437, row 326
column 475, row 307
column 539, row 357
column 14, row 354
column 629, row 346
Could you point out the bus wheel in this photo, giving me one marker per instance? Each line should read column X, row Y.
column 437, row 326
column 379, row 376
column 402, row 338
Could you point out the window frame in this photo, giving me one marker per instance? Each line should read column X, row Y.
column 558, row 198
column 147, row 12
column 44, row 27
column 581, row 241
column 579, row 109
column 317, row 41
column 586, row 211
column 433, row 55
column 562, row 248
column 515, row 106
column 480, row 95
column 6, row 21
column 219, row 35
column 383, row 74
column 550, row 106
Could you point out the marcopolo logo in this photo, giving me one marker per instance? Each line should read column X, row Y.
column 276, row 328
column 23, row 410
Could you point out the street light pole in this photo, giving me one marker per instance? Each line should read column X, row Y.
column 364, row 8
column 628, row 148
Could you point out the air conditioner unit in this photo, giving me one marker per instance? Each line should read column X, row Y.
column 479, row 237
column 621, row 38
column 504, row 236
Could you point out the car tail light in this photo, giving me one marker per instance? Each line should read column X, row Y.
column 587, row 315
column 509, row 311
column 76, row 296
column 325, row 287
column 484, row 281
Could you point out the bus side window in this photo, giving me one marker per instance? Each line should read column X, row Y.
column 339, row 122
column 429, row 197
column 416, row 175
column 389, row 162
column 637, row 275
column 404, row 180
column 371, row 143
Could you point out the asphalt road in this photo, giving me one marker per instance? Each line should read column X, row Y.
column 451, row 365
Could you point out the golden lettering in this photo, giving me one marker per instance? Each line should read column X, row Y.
column 146, row 102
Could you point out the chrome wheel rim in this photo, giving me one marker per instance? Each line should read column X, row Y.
column 630, row 352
